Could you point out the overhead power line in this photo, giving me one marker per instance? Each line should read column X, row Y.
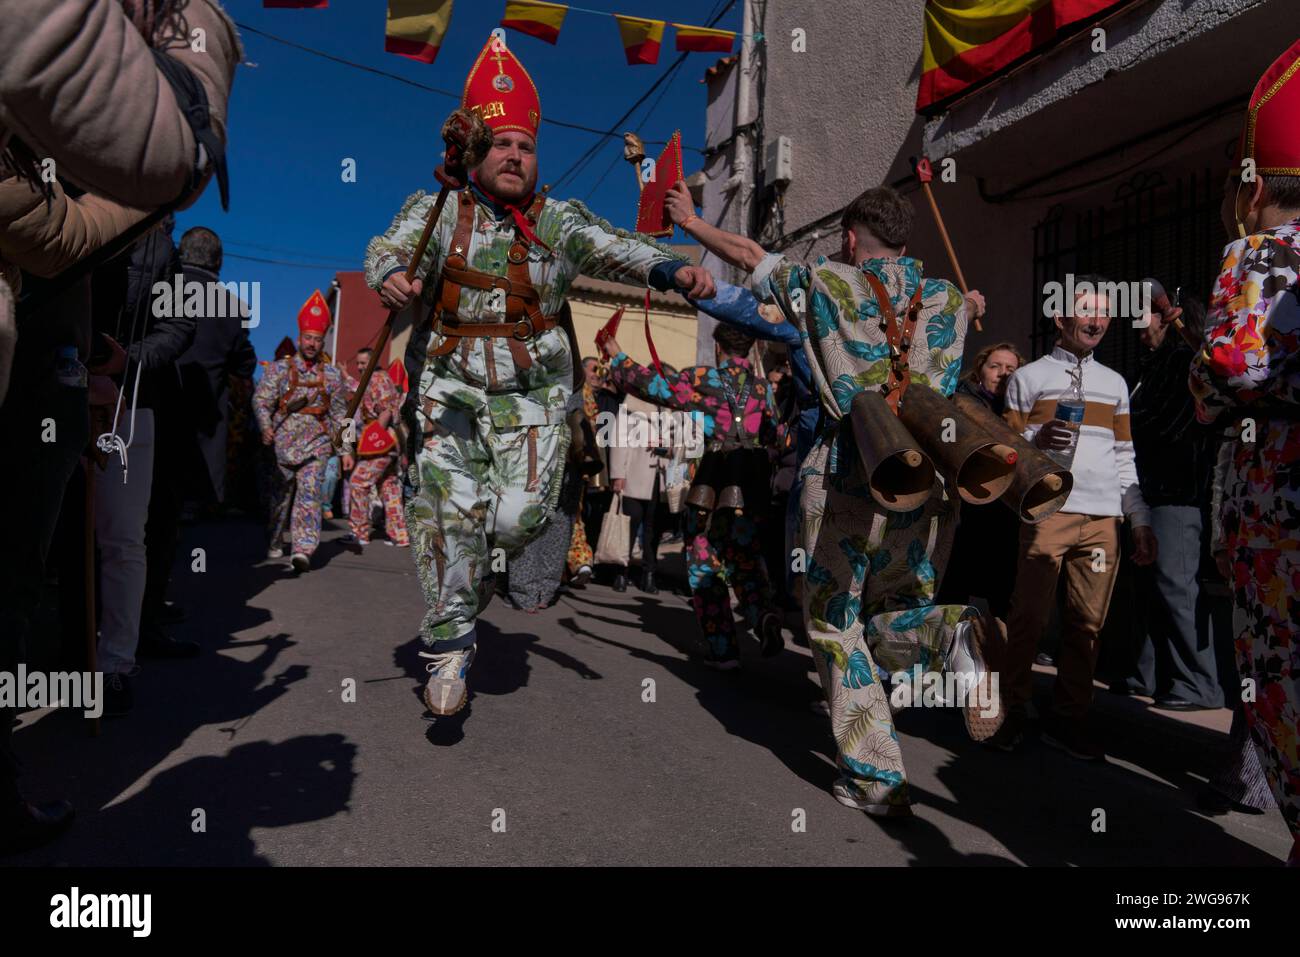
column 424, row 86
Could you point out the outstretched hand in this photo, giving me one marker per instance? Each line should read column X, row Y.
column 696, row 282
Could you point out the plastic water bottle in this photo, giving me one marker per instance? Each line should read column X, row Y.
column 69, row 370
column 1069, row 409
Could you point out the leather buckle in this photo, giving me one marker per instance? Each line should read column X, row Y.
column 527, row 323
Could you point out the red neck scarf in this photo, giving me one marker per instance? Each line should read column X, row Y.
column 517, row 213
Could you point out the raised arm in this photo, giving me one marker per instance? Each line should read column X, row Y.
column 731, row 248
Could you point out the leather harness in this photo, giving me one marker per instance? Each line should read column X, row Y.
column 315, row 382
column 524, row 319
column 900, row 341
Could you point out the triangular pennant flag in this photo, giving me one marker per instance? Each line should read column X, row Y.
column 397, row 372
column 702, row 39
column 652, row 218
column 375, row 440
column 415, row 28
column 641, row 39
column 535, row 18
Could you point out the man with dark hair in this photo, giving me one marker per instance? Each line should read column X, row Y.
column 1174, row 464
column 727, row 504
column 1080, row 541
column 1248, row 375
column 869, row 591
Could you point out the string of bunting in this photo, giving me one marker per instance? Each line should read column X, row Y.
column 416, row 28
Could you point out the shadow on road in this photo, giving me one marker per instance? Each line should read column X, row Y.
column 1040, row 804
column 270, row 785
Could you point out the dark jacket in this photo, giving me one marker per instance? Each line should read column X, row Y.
column 122, row 307
column 221, row 349
column 1173, row 461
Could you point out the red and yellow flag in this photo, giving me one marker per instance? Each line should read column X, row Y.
column 535, row 18
column 415, row 28
column 702, row 39
column 641, row 39
column 968, row 41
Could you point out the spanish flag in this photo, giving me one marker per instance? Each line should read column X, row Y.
column 968, row 41
column 535, row 18
column 702, row 39
column 415, row 28
column 641, row 39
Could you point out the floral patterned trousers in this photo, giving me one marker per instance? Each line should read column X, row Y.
column 478, row 488
column 869, row 607
column 297, row 505
column 382, row 471
column 579, row 554
column 1266, row 611
column 723, row 549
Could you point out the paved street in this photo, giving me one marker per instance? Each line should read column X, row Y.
column 559, row 744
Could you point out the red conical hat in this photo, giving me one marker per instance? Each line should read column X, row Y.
column 375, row 440
column 397, row 372
column 285, row 349
column 314, row 316
column 1272, row 134
column 501, row 92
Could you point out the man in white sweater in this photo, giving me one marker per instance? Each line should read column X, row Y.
column 1082, row 539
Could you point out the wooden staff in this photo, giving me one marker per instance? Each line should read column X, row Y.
column 92, row 652
column 467, row 140
column 925, row 174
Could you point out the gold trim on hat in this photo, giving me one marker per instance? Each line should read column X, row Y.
column 1252, row 118
column 469, row 77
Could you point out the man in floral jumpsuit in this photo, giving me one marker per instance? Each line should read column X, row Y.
column 1247, row 377
column 491, row 371
column 380, row 406
column 300, row 403
column 722, row 545
column 871, row 575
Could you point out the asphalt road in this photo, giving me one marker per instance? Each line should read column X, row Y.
column 559, row 758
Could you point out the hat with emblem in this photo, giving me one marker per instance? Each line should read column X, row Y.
column 314, row 316
column 501, row 92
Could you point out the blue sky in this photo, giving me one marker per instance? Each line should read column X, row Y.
column 294, row 117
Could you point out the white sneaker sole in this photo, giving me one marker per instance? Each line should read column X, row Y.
column 446, row 691
column 875, row 810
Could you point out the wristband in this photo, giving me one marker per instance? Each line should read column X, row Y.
column 689, row 219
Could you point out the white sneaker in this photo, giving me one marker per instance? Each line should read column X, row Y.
column 274, row 552
column 300, row 562
column 446, row 691
column 982, row 708
column 850, row 795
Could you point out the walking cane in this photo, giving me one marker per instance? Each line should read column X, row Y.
column 925, row 173
column 467, row 140
column 92, row 652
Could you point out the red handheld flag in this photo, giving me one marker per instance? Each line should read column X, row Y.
column 652, row 218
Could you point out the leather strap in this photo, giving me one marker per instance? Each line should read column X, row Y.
column 524, row 318
column 317, row 382
column 900, row 340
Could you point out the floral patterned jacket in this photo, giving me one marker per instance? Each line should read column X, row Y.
column 1250, row 364
column 839, row 322
column 703, row 390
column 300, row 436
column 580, row 243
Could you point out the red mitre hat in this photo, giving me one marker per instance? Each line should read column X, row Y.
column 375, row 440
column 500, row 91
column 1272, row 134
column 285, row 349
column 397, row 372
column 314, row 316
